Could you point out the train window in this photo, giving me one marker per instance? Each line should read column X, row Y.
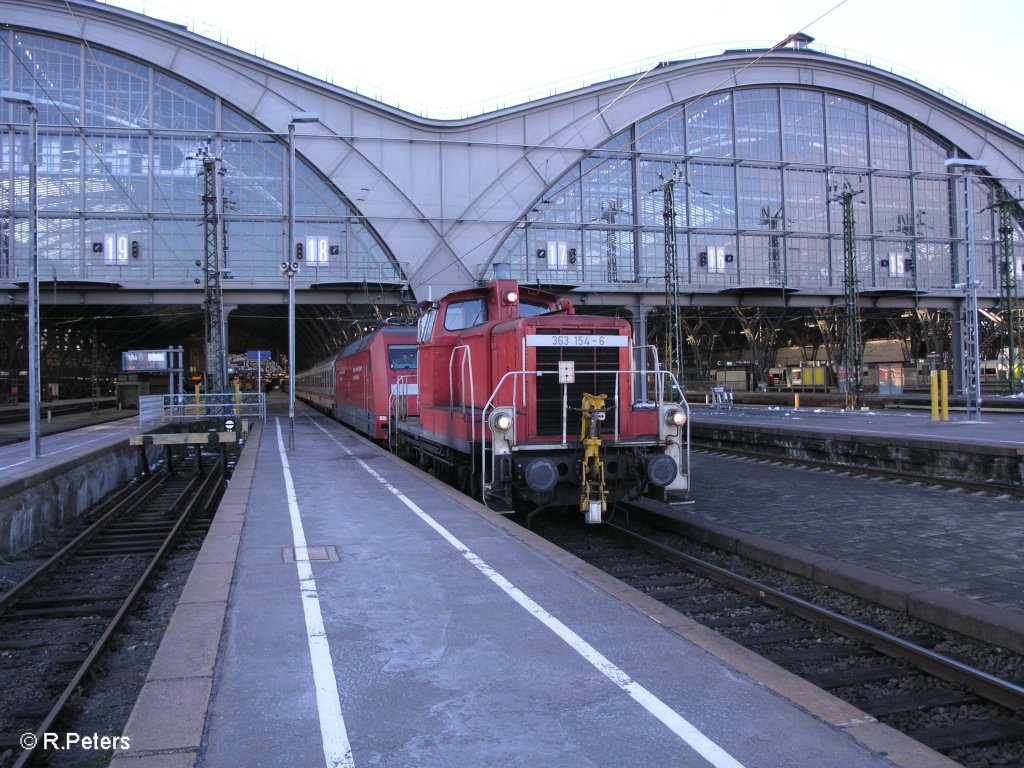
column 402, row 357
column 465, row 314
column 426, row 325
column 531, row 309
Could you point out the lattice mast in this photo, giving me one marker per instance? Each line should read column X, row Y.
column 1013, row 312
column 213, row 268
column 853, row 352
column 673, row 327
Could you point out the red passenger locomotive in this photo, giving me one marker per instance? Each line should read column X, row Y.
column 357, row 385
column 521, row 401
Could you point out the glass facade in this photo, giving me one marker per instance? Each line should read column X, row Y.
column 121, row 180
column 760, row 171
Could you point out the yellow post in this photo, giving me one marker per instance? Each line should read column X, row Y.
column 238, row 397
column 935, row 395
column 593, row 494
column 199, row 408
column 796, row 400
column 944, row 393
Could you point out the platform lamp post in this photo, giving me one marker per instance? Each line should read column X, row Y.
column 971, row 377
column 13, row 97
column 290, row 265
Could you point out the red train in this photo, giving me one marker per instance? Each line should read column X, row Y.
column 520, row 400
column 358, row 385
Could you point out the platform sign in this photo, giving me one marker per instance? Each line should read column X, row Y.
column 145, row 361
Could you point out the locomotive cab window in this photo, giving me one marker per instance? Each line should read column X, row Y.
column 465, row 314
column 425, row 327
column 531, row 309
column 402, row 357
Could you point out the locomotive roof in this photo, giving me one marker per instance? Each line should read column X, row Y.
column 405, row 331
column 524, row 291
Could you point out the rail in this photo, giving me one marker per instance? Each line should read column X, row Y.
column 184, row 407
column 197, row 493
column 1004, row 692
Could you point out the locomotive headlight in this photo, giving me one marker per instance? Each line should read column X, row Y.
column 674, row 417
column 511, row 297
column 500, row 421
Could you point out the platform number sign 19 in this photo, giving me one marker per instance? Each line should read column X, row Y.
column 116, row 248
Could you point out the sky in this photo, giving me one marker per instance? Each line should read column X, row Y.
column 456, row 58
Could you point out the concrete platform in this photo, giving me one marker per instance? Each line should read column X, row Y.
column 347, row 609
column 946, row 556
column 987, row 450
column 74, row 471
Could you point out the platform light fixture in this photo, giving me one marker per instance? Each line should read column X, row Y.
column 15, row 97
column 290, row 265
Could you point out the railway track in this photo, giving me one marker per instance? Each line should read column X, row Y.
column 969, row 486
column 960, row 697
column 57, row 621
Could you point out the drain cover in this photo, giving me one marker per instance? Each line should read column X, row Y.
column 326, row 554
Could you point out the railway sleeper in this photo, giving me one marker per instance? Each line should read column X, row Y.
column 30, row 625
column 665, row 579
column 62, row 612
column 124, row 541
column 911, row 702
column 120, row 551
column 740, row 622
column 773, row 636
column 54, row 660
column 136, row 527
column 672, row 594
column 129, row 536
column 843, row 678
column 637, row 570
column 29, row 710
column 819, row 653
column 970, row 733
column 718, row 605
column 55, row 601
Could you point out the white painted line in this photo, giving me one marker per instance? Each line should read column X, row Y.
column 704, row 746
column 337, row 750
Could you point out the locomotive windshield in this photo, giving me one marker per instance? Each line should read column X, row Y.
column 465, row 314
column 532, row 308
column 402, row 357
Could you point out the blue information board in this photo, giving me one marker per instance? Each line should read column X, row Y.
column 145, row 361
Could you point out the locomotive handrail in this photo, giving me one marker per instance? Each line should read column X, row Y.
column 659, row 389
column 466, row 358
column 399, row 390
column 489, row 405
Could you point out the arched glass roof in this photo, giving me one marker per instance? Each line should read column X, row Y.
column 759, row 172
column 121, row 183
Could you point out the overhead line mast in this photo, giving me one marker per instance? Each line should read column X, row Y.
column 673, row 331
column 1009, row 279
column 213, row 269
column 853, row 352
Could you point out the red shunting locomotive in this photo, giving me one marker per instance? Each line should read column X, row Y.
column 513, row 397
column 529, row 404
